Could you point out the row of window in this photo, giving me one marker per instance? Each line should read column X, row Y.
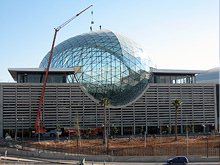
column 174, row 79
column 39, row 78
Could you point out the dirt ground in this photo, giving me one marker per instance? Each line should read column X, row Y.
column 195, row 141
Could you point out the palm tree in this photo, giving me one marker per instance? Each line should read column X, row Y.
column 176, row 103
column 104, row 102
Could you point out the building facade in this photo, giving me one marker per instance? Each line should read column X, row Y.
column 151, row 110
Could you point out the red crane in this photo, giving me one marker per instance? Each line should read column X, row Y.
column 38, row 126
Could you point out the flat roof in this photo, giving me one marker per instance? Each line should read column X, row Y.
column 174, row 71
column 14, row 71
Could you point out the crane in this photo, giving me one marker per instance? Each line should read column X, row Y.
column 39, row 128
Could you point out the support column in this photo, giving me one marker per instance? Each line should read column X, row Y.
column 181, row 129
column 29, row 106
column 170, row 120
column 216, row 102
column 204, row 128
column 16, row 111
column 146, row 126
column 70, row 104
column 134, row 126
column 96, row 115
column 83, row 101
column 181, row 110
column 57, row 110
column 122, row 130
column 121, row 121
column 109, row 122
column 193, row 130
column 1, row 111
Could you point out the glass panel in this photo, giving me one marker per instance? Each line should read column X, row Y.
column 112, row 65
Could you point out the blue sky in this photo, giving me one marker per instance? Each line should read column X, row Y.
column 179, row 34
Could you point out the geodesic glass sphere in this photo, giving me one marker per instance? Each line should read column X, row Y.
column 107, row 64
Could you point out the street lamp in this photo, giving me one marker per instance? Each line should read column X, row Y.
column 207, row 138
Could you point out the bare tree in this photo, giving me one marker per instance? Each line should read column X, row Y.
column 77, row 128
column 58, row 132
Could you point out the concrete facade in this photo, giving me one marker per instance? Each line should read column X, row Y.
column 151, row 110
column 1, row 112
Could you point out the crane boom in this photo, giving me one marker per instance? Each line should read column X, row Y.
column 68, row 21
column 38, row 126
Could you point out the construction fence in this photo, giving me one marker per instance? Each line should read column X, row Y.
column 131, row 151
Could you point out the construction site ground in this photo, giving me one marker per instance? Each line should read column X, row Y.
column 193, row 141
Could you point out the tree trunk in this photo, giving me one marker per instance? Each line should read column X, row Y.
column 176, row 124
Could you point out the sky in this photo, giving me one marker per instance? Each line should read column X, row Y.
column 179, row 34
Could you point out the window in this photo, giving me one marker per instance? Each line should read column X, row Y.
column 39, row 78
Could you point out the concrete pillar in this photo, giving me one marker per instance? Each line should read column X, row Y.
column 57, row 110
column 16, row 112
column 96, row 115
column 84, row 110
column 1, row 111
column 146, row 126
column 70, row 109
column 134, row 126
column 134, row 130
column 181, row 110
column 109, row 122
column 122, row 122
column 146, row 130
column 204, row 129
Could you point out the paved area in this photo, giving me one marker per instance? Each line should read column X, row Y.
column 30, row 160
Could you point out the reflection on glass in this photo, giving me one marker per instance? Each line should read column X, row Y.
column 112, row 65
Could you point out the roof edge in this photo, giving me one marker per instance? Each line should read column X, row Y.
column 177, row 71
column 14, row 71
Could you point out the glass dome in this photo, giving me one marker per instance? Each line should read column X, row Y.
column 107, row 64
